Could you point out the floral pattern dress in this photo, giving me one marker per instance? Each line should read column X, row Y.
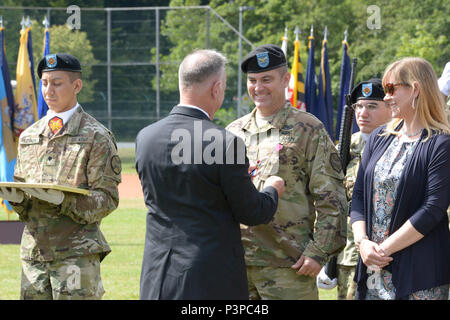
column 387, row 176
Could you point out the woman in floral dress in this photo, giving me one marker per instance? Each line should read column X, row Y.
column 402, row 192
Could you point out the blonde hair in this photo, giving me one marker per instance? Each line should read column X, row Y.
column 430, row 104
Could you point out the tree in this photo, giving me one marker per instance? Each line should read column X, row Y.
column 63, row 39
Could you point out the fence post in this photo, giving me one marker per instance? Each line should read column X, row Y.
column 157, row 65
column 207, row 28
column 108, row 68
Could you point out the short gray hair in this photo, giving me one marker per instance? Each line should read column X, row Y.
column 199, row 66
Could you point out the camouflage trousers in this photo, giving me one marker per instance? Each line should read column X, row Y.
column 69, row 279
column 272, row 283
column 346, row 285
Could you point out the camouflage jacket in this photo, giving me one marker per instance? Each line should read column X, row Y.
column 296, row 147
column 82, row 154
column 349, row 256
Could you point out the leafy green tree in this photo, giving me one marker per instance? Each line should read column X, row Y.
column 63, row 39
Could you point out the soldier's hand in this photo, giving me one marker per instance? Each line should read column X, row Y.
column 276, row 182
column 49, row 195
column 11, row 194
column 308, row 266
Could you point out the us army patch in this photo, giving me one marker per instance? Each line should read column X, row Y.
column 115, row 164
column 335, row 162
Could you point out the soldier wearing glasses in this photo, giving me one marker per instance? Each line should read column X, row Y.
column 370, row 113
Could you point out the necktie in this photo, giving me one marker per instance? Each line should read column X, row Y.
column 55, row 124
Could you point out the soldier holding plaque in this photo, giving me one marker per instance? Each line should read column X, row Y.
column 62, row 245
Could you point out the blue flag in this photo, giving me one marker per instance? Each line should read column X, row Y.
column 310, row 83
column 7, row 144
column 6, row 78
column 42, row 105
column 344, row 85
column 31, row 58
column 325, row 103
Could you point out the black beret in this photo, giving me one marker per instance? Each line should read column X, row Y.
column 263, row 58
column 57, row 62
column 367, row 90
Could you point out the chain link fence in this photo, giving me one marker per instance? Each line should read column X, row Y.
column 133, row 73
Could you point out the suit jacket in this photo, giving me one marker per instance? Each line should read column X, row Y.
column 193, row 247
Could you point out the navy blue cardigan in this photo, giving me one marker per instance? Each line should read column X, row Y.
column 423, row 197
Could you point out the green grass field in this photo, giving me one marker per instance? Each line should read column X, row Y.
column 124, row 230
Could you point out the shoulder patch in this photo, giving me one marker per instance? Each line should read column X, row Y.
column 116, row 164
column 335, row 162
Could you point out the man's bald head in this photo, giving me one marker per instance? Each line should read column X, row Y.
column 199, row 66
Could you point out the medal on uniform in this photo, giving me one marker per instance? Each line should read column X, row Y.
column 55, row 124
column 255, row 171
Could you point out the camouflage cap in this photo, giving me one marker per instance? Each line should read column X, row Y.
column 58, row 61
column 368, row 90
column 263, row 58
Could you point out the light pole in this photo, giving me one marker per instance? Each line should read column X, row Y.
column 241, row 9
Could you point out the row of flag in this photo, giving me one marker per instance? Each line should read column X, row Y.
column 20, row 111
column 314, row 94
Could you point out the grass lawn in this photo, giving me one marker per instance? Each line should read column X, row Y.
column 128, row 156
column 125, row 231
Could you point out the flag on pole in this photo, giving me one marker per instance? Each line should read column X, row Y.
column 325, row 103
column 30, row 53
column 7, row 145
column 284, row 43
column 296, row 91
column 26, row 110
column 6, row 78
column 344, row 83
column 42, row 105
column 310, row 83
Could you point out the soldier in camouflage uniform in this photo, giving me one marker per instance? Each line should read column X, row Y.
column 284, row 257
column 370, row 113
column 62, row 245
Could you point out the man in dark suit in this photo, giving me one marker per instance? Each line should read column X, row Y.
column 197, row 188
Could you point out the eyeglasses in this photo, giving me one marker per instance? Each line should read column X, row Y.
column 390, row 87
column 370, row 106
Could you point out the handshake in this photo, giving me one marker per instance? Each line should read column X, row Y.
column 16, row 195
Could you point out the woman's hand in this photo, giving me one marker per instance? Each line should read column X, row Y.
column 372, row 254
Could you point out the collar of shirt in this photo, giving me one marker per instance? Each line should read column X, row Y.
column 194, row 107
column 65, row 116
column 277, row 122
column 262, row 121
column 365, row 136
